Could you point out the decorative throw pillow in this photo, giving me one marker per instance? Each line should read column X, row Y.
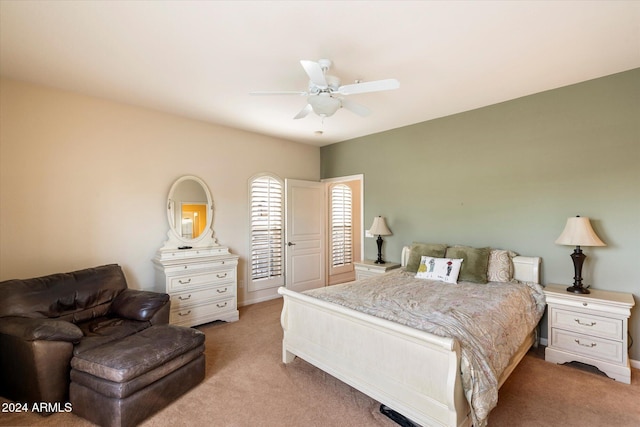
column 500, row 265
column 418, row 250
column 476, row 262
column 442, row 269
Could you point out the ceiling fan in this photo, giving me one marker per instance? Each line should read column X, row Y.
column 324, row 91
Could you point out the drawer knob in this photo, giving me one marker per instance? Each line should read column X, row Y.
column 585, row 324
column 221, row 276
column 185, row 282
column 586, row 345
column 184, row 299
column 184, row 314
column 585, row 304
column 221, row 306
column 220, row 291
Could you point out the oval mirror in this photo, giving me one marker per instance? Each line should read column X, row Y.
column 190, row 210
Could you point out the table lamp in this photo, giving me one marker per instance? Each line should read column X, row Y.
column 578, row 232
column 379, row 228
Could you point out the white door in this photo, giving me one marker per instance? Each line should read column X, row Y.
column 305, row 235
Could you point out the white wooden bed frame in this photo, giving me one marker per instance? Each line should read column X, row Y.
column 411, row 371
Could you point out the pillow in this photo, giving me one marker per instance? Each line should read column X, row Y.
column 418, row 250
column 476, row 262
column 442, row 269
column 500, row 265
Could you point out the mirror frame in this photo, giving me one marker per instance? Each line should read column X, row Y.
column 205, row 238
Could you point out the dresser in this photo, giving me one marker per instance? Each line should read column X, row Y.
column 368, row 268
column 202, row 284
column 590, row 328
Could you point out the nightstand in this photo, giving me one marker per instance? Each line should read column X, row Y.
column 590, row 328
column 368, row 268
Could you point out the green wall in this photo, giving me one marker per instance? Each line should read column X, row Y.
column 509, row 175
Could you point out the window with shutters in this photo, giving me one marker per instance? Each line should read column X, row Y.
column 267, row 232
column 341, row 226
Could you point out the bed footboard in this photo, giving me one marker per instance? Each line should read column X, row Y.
column 411, row 371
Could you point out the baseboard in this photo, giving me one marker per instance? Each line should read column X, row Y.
column 257, row 300
column 633, row 363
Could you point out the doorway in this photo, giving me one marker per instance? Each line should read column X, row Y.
column 323, row 231
column 345, row 236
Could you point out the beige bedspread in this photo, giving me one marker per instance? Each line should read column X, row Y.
column 490, row 321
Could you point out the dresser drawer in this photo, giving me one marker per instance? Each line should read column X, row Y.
column 585, row 323
column 202, row 283
column 191, row 254
column 202, row 312
column 181, row 268
column 593, row 347
column 187, row 281
column 183, row 300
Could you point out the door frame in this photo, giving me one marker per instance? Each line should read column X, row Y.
column 360, row 232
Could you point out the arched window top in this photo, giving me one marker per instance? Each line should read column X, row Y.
column 266, row 194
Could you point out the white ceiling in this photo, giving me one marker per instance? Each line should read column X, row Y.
column 200, row 59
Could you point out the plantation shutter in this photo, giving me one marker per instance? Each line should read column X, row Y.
column 266, row 233
column 341, row 226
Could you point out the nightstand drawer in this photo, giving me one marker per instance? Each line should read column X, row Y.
column 589, row 346
column 361, row 274
column 368, row 268
column 604, row 327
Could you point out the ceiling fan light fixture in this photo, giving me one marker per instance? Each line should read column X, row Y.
column 322, row 88
column 324, row 105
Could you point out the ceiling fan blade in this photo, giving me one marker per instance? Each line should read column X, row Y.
column 360, row 110
column 278, row 92
column 304, row 112
column 374, row 86
column 315, row 73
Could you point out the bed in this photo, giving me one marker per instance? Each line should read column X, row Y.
column 417, row 373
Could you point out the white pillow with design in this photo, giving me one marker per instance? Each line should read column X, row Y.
column 500, row 265
column 442, row 269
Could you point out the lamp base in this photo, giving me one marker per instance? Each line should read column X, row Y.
column 578, row 259
column 379, row 242
column 578, row 290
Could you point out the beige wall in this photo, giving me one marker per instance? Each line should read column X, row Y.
column 509, row 175
column 84, row 181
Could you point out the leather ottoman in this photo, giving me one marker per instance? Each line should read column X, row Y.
column 123, row 382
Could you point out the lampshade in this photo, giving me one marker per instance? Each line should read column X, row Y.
column 379, row 227
column 578, row 232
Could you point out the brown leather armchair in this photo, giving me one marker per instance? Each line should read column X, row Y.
column 44, row 321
